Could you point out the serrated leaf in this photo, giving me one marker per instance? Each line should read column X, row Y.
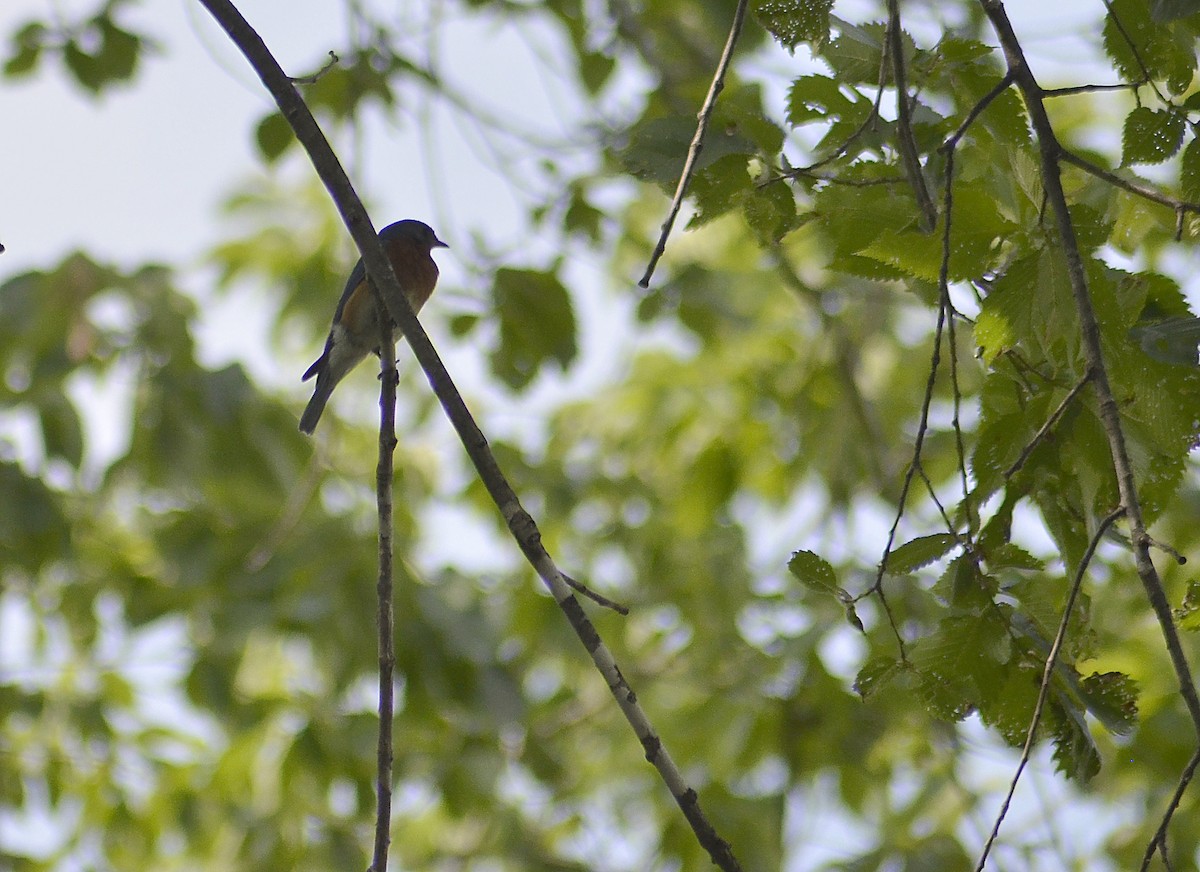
column 1139, row 46
column 770, row 211
column 719, row 188
column 877, row 673
column 1111, row 698
column 813, row 571
column 919, row 552
column 1012, row 556
column 816, row 98
column 964, row 588
column 792, row 22
column 1151, row 136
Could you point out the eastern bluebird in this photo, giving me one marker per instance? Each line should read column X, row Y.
column 355, row 329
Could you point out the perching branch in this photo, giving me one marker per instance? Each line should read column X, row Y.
column 1051, row 154
column 520, row 524
column 705, row 115
column 388, row 379
column 1047, row 674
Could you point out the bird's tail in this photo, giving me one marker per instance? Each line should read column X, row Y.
column 312, row 412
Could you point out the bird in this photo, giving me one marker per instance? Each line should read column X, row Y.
column 409, row 246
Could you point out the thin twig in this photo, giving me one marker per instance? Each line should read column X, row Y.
column 802, row 173
column 913, row 467
column 704, row 116
column 904, row 133
column 1091, row 89
column 520, row 524
column 1159, row 841
column 1144, row 191
column 312, row 79
column 388, row 379
column 976, row 110
column 597, row 598
column 1047, row 675
column 1045, row 429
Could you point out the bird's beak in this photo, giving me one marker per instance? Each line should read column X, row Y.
column 437, row 243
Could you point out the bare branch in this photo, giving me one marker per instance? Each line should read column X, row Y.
column 1092, row 89
column 1047, row 674
column 705, row 115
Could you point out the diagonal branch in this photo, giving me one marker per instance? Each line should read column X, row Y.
column 1051, row 154
column 520, row 524
column 705, row 115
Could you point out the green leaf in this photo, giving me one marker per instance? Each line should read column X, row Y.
column 795, row 21
column 770, row 211
column 720, row 187
column 876, row 674
column 1139, row 46
column 537, row 324
column 657, row 149
column 1151, row 136
column 1169, row 10
column 816, row 98
column 856, row 55
column 28, row 43
column 1112, row 698
column 916, row 553
column 964, row 588
column 273, row 136
column 1189, row 171
column 1188, row 614
column 62, row 431
column 813, row 571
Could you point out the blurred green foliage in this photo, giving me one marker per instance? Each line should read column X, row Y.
column 191, row 665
